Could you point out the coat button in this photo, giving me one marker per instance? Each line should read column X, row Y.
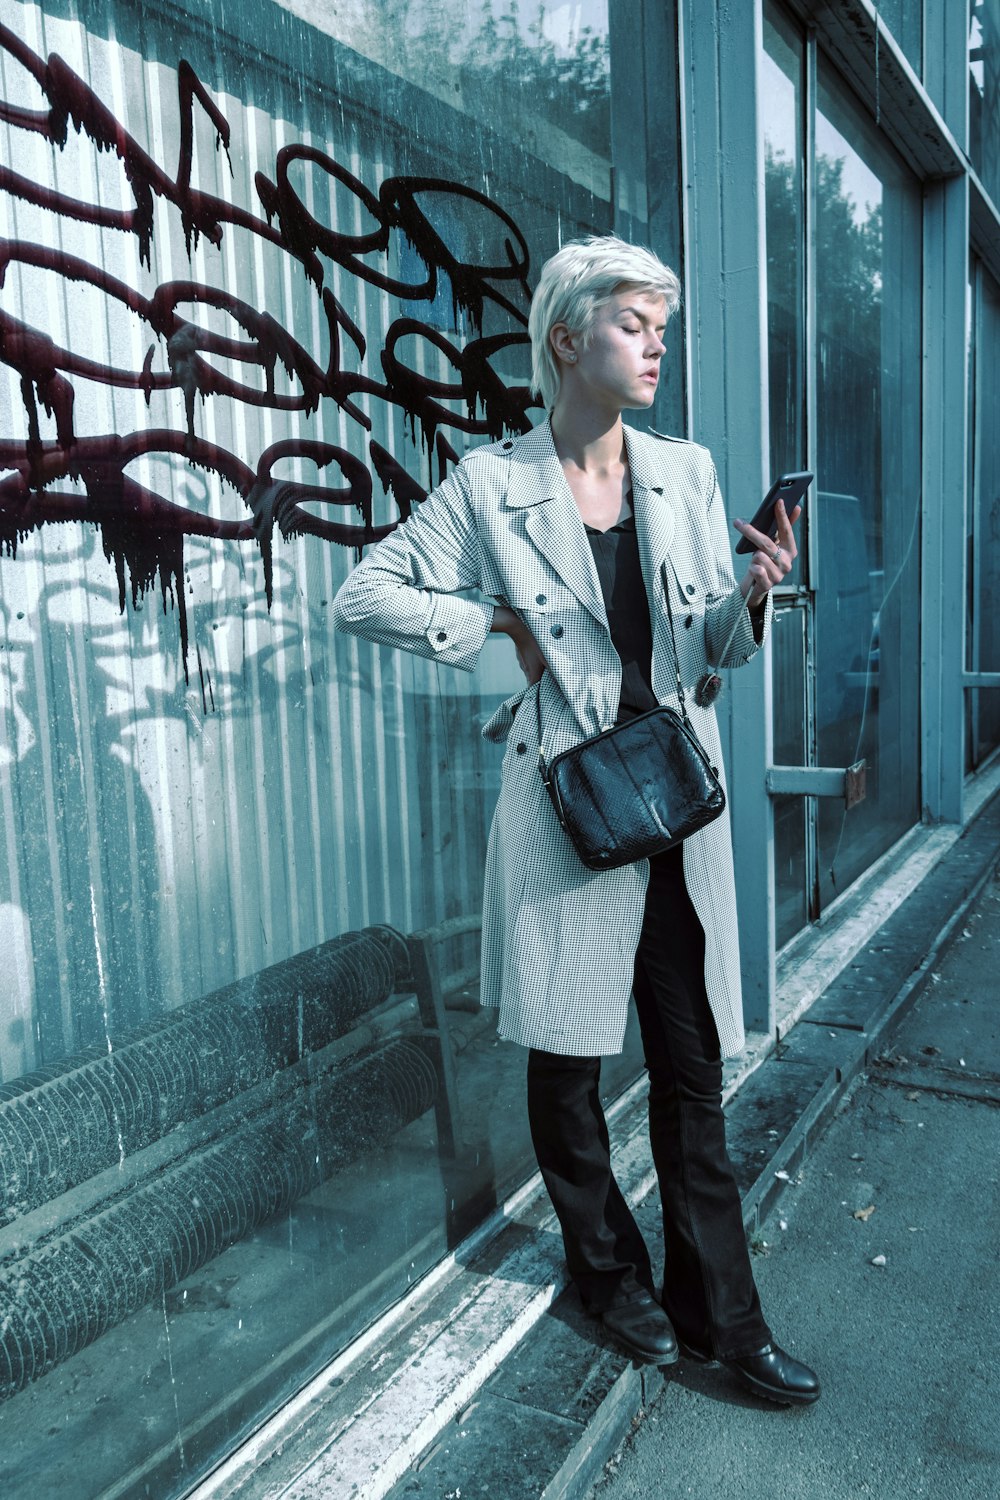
column 508, row 445
column 442, row 635
column 689, row 622
column 557, row 631
column 539, row 598
column 690, row 588
column 520, row 747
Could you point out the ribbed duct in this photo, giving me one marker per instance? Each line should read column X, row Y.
column 61, row 1296
column 60, row 1126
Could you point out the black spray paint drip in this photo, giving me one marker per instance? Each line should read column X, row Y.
column 148, row 558
column 142, row 557
column 143, row 533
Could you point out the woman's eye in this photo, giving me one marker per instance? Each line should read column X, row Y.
column 627, row 329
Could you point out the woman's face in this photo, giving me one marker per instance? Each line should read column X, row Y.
column 619, row 364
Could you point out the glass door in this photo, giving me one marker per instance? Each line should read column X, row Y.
column 983, row 526
column 843, row 231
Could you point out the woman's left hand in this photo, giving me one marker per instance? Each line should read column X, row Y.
column 772, row 560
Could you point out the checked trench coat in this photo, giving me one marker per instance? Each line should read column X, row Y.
column 559, row 940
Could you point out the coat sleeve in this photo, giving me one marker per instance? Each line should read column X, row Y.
column 725, row 608
column 405, row 592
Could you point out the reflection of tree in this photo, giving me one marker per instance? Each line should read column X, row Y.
column 786, row 386
column 848, row 342
column 848, row 249
column 515, row 71
column 570, row 88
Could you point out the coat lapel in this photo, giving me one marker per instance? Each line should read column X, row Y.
column 551, row 520
column 538, row 486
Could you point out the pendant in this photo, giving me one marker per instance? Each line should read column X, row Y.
column 708, row 689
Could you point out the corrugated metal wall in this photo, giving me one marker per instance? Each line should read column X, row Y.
column 163, row 834
column 264, row 273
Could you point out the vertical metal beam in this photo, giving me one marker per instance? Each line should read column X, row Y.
column 662, row 124
column 974, row 530
column 945, row 424
column 809, row 92
column 946, row 64
column 645, row 137
column 727, row 385
column 945, row 478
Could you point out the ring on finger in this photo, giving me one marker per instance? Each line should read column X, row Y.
column 777, row 554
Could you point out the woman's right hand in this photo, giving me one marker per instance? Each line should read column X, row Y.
column 529, row 657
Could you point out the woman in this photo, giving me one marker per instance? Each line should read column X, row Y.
column 568, row 528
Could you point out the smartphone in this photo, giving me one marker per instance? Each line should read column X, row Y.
column 791, row 488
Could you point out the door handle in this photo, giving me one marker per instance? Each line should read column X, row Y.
column 818, row 781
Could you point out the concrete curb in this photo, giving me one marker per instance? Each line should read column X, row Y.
column 564, row 1399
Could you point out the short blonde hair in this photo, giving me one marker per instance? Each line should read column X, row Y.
column 575, row 282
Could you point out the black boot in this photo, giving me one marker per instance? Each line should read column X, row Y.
column 769, row 1372
column 642, row 1329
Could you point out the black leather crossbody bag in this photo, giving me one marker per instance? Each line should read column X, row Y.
column 637, row 789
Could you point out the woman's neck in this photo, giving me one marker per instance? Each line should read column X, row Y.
column 594, row 444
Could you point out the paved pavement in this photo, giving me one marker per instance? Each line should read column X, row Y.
column 881, row 1268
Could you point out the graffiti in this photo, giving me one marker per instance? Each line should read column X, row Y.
column 66, row 476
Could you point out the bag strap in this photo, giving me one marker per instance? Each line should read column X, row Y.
column 542, row 763
column 673, row 644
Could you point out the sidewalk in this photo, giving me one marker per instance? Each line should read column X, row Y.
column 492, row 1384
column 881, row 1268
column 564, row 1399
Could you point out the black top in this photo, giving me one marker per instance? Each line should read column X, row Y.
column 616, row 556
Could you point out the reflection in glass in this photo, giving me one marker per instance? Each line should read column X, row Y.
column 984, row 93
column 781, row 105
column 867, row 504
column 780, row 87
column 247, row 1095
column 547, row 66
column 905, row 19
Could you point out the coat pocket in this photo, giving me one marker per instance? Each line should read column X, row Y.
column 542, row 597
column 499, row 724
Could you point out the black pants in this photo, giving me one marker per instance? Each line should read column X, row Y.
column 708, row 1287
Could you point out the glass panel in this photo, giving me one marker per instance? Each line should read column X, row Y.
column 984, row 569
column 905, row 19
column 984, row 93
column 788, row 646
column 781, row 104
column 244, row 1105
column 781, row 113
column 867, row 508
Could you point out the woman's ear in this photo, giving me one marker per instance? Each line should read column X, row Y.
column 563, row 343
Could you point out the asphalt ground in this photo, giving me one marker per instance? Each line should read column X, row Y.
column 880, row 1267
